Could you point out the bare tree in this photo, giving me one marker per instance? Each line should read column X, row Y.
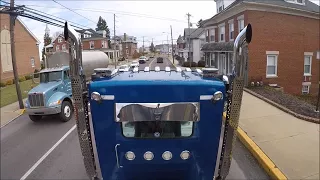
column 56, row 34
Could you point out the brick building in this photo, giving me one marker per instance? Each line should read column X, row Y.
column 284, row 44
column 127, row 45
column 26, row 46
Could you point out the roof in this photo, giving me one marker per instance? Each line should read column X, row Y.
column 60, row 68
column 218, row 46
column 194, row 32
column 309, row 6
column 28, row 30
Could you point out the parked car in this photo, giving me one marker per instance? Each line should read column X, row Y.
column 122, row 68
column 160, row 60
column 142, row 60
column 134, row 64
column 122, row 59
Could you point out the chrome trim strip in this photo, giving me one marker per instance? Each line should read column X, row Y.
column 206, row 97
column 117, row 157
column 107, row 97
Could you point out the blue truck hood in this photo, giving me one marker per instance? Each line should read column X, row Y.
column 44, row 87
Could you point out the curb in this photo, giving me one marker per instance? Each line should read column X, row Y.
column 266, row 163
column 21, row 113
column 299, row 116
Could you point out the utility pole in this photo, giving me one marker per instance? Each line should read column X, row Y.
column 13, row 53
column 189, row 42
column 318, row 102
column 142, row 45
column 172, row 45
column 114, row 41
column 168, row 45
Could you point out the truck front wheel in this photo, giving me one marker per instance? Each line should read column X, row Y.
column 35, row 118
column 66, row 111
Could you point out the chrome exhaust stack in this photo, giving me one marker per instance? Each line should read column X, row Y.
column 234, row 99
column 80, row 97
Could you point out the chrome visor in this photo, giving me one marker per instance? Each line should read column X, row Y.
column 157, row 112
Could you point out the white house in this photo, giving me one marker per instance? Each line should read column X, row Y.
column 197, row 40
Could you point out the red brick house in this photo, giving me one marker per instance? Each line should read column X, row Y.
column 284, row 45
column 26, row 46
column 60, row 44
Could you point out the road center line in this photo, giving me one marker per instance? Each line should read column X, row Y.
column 46, row 154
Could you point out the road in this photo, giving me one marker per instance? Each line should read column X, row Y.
column 24, row 142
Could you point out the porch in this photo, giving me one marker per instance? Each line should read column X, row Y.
column 220, row 56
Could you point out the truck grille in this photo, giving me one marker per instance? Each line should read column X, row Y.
column 36, row 100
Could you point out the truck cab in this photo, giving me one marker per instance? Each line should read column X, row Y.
column 53, row 96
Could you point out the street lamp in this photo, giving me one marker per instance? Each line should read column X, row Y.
column 167, row 41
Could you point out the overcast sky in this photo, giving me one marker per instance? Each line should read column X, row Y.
column 151, row 19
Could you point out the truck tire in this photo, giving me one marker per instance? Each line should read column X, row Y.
column 66, row 111
column 35, row 118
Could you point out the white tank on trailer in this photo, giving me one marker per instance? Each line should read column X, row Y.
column 90, row 60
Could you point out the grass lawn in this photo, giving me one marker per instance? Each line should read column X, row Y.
column 9, row 94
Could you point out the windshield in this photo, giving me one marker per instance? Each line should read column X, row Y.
column 50, row 76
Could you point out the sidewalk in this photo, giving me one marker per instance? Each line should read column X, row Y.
column 292, row 144
column 10, row 112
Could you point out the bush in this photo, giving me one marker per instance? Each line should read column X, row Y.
column 2, row 84
column 201, row 63
column 9, row 82
column 28, row 77
column 22, row 79
column 36, row 75
column 187, row 64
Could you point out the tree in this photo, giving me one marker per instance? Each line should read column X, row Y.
column 46, row 41
column 56, row 34
column 102, row 25
column 152, row 49
column 199, row 23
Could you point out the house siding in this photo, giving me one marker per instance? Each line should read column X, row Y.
column 25, row 46
column 291, row 36
column 60, row 44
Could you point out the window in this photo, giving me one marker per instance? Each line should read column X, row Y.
column 230, row 65
column 231, row 31
column 32, row 62
column 57, row 48
column 212, row 62
column 66, row 74
column 63, row 47
column 50, row 76
column 221, row 33
column 212, row 33
column 59, row 40
column 296, row 1
column 126, row 45
column 91, row 44
column 241, row 24
column 307, row 65
column 127, row 51
column 305, row 89
column 6, row 59
column 272, row 61
column 207, row 36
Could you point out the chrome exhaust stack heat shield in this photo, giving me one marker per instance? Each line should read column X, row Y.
column 79, row 93
column 235, row 92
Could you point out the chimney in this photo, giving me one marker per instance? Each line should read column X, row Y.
column 125, row 37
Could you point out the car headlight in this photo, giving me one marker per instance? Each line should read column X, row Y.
column 55, row 103
column 26, row 104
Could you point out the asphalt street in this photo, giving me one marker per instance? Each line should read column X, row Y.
column 24, row 142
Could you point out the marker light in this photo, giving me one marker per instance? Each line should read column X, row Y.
column 148, row 156
column 130, row 155
column 167, row 155
column 167, row 69
column 188, row 69
column 185, row 155
column 178, row 69
column 95, row 96
column 217, row 96
column 157, row 68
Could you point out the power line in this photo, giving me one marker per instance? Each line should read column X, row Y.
column 113, row 12
column 73, row 11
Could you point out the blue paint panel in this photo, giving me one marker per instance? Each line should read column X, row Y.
column 203, row 144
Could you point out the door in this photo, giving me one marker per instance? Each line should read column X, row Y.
column 67, row 82
column 222, row 64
